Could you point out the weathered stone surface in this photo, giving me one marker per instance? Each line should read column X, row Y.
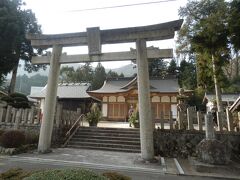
column 109, row 36
column 145, row 114
column 176, row 143
column 182, row 143
column 231, row 168
column 213, row 152
column 3, row 104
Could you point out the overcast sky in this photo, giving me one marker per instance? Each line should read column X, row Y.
column 65, row 16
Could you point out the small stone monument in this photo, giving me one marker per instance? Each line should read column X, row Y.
column 182, row 109
column 210, row 150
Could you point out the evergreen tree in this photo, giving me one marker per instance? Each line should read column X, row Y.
column 9, row 32
column 112, row 74
column 16, row 22
column 67, row 74
column 172, row 68
column 99, row 77
column 157, row 68
column 234, row 26
column 187, row 75
column 206, row 30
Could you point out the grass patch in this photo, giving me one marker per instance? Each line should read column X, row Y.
column 60, row 174
column 63, row 174
column 115, row 176
column 15, row 174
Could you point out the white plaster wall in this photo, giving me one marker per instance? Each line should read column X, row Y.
column 104, row 110
column 174, row 99
column 105, row 98
column 112, row 99
column 155, row 99
column 165, row 99
column 174, row 110
column 121, row 99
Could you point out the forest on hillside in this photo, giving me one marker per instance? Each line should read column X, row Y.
column 207, row 49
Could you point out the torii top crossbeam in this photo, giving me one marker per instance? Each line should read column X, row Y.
column 94, row 37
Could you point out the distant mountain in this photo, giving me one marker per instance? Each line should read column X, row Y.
column 128, row 70
column 21, row 71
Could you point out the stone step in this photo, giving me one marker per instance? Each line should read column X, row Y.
column 106, row 145
column 108, row 128
column 86, row 133
column 112, row 139
column 82, row 136
column 105, row 141
column 106, row 148
column 108, row 131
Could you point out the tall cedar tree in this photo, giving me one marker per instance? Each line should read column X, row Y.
column 234, row 28
column 206, row 29
column 99, row 77
column 17, row 22
column 9, row 32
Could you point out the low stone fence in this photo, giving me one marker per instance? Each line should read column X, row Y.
column 33, row 116
column 30, row 120
column 182, row 143
column 194, row 120
column 11, row 115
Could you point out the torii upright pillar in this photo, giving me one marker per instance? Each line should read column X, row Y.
column 94, row 38
column 50, row 101
column 146, row 128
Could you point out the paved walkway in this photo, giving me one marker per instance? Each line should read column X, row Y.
column 112, row 124
column 101, row 161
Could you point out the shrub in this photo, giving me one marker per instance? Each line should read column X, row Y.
column 19, row 95
column 31, row 137
column 12, row 139
column 70, row 174
column 94, row 116
column 15, row 174
column 1, row 132
column 7, row 99
column 115, row 176
column 134, row 119
column 17, row 100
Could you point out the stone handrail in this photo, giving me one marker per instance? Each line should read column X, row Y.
column 73, row 129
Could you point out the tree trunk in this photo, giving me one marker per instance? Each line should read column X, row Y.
column 13, row 79
column 237, row 65
column 217, row 87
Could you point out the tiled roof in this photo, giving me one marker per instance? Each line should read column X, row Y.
column 235, row 105
column 124, row 84
column 225, row 97
column 70, row 90
column 164, row 85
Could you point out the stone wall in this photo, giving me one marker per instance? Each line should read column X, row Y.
column 182, row 143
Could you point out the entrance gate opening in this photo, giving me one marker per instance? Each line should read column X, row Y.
column 94, row 38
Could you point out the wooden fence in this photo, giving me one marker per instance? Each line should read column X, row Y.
column 194, row 120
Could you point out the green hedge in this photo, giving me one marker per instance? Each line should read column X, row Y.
column 63, row 174
column 18, row 95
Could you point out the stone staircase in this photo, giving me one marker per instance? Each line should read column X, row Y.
column 111, row 139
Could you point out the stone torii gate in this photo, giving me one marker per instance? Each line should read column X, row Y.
column 94, row 38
